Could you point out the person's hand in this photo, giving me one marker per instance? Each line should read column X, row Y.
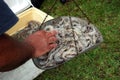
column 42, row 42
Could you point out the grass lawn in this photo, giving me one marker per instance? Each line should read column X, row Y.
column 101, row 63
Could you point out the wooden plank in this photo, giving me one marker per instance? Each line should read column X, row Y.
column 25, row 17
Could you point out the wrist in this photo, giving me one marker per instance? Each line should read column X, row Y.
column 30, row 49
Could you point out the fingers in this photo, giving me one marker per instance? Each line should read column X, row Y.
column 47, row 34
column 52, row 33
column 52, row 40
column 51, row 46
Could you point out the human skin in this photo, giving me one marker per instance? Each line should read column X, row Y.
column 14, row 53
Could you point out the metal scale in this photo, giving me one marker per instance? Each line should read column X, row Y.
column 29, row 68
column 84, row 36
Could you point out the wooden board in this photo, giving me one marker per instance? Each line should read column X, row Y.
column 25, row 17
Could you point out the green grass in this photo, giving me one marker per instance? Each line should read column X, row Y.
column 101, row 63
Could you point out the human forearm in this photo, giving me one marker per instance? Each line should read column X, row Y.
column 13, row 53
